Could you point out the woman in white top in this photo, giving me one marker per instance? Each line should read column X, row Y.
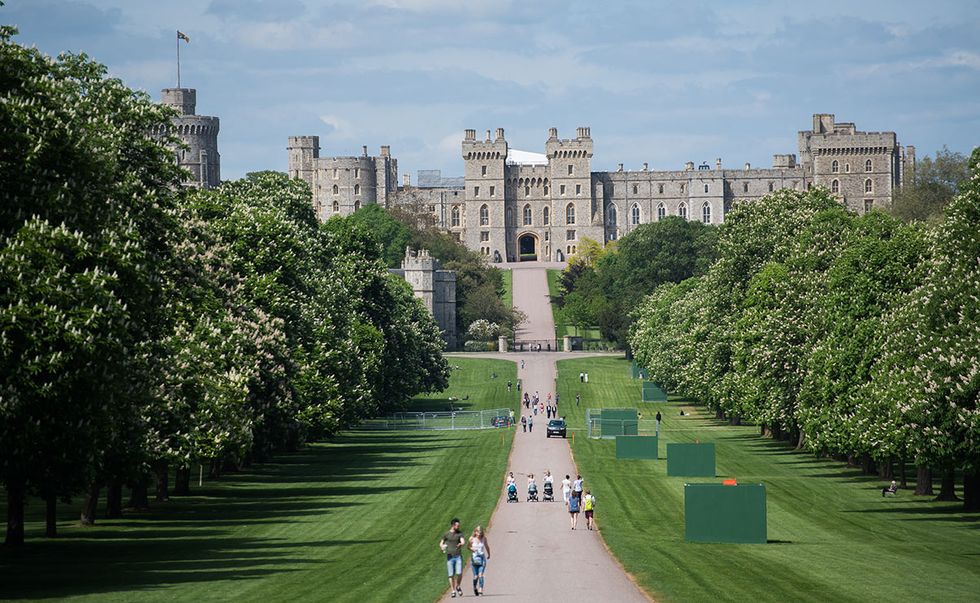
column 548, row 478
column 566, row 489
column 481, row 553
column 510, row 478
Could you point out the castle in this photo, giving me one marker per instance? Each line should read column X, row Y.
column 515, row 205
column 436, row 288
column 199, row 133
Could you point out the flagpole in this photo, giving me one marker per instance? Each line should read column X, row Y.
column 178, row 60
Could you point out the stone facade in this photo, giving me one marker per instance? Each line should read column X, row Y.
column 515, row 205
column 436, row 288
column 199, row 133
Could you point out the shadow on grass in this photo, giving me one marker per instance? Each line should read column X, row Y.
column 222, row 531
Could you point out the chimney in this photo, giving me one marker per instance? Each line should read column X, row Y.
column 469, row 134
column 500, row 133
column 620, row 169
column 688, row 166
column 582, row 132
column 748, row 166
column 364, row 150
column 718, row 163
column 645, row 166
column 385, row 150
column 407, row 179
column 488, row 135
column 552, row 133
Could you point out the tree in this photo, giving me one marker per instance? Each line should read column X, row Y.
column 933, row 185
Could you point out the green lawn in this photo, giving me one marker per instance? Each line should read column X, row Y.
column 508, row 279
column 473, row 378
column 355, row 519
column 832, row 536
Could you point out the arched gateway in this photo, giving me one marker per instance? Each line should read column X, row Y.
column 527, row 247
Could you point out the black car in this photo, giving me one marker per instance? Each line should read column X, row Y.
column 556, row 427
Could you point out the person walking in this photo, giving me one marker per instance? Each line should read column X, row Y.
column 535, row 410
column 522, row 364
column 566, row 489
column 452, row 544
column 530, row 424
column 480, row 548
column 524, row 423
column 510, row 417
column 658, row 417
column 588, row 505
column 573, row 509
column 509, row 386
column 577, row 488
column 578, row 399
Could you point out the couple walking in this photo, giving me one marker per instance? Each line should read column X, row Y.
column 571, row 492
column 452, row 544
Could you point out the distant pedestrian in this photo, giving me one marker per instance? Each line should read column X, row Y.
column 577, row 488
column 481, row 553
column 524, row 423
column 530, row 424
column 566, row 489
column 509, row 386
column 573, row 509
column 588, row 505
column 586, row 377
column 658, row 417
column 451, row 544
column 522, row 365
column 556, row 399
column 548, row 411
column 518, row 386
column 535, row 410
column 581, row 377
column 578, row 399
column 510, row 417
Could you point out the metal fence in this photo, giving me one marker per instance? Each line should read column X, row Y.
column 597, row 427
column 534, row 345
column 460, row 419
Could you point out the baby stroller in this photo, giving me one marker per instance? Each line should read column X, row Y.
column 532, row 492
column 549, row 492
column 512, row 493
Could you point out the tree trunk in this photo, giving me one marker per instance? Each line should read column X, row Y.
column 902, row 474
column 15, row 514
column 886, row 470
column 971, row 490
column 51, row 516
column 867, row 464
column 735, row 420
column 923, row 480
column 720, row 415
column 182, row 481
column 801, row 440
column 762, row 429
column 163, row 482
column 90, row 505
column 947, row 489
column 113, row 500
column 139, row 497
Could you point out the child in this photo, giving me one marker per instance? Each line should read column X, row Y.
column 589, row 506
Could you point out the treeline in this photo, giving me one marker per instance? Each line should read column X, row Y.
column 603, row 286
column 852, row 336
column 146, row 328
column 479, row 286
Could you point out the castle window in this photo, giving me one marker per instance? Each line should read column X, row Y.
column 571, row 169
column 868, row 205
column 635, row 214
column 772, row 187
column 561, row 190
column 547, row 235
column 660, row 188
column 745, row 187
column 527, row 215
column 484, row 171
column 867, row 165
column 357, row 189
column 570, row 214
column 510, row 217
column 661, row 212
column 705, row 188
column 569, row 235
column 527, row 191
column 357, row 172
column 847, row 168
column 835, row 186
column 484, row 235
column 493, row 191
column 476, row 191
column 336, row 173
column 578, row 189
column 611, row 215
column 484, row 215
column 682, row 211
column 868, row 186
column 336, row 189
column 546, row 190
column 546, row 216
column 636, row 189
column 834, row 167
column 706, row 213
column 455, row 216
column 357, row 205
column 682, row 187
column 336, row 206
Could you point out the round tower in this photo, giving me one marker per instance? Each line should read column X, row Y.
column 200, row 135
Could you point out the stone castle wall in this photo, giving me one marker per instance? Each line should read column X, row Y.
column 200, row 135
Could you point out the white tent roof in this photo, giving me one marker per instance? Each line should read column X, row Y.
column 516, row 157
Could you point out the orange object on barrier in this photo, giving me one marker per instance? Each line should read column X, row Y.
column 730, row 482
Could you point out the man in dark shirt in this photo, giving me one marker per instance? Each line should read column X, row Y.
column 451, row 544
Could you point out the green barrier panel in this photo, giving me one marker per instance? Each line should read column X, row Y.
column 729, row 514
column 637, row 447
column 653, row 392
column 618, row 421
column 691, row 460
column 637, row 371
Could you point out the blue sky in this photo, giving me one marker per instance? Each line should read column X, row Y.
column 658, row 82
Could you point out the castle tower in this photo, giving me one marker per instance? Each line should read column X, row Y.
column 303, row 152
column 577, row 209
column 485, row 178
column 199, row 133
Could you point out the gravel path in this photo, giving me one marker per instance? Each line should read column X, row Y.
column 535, row 554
